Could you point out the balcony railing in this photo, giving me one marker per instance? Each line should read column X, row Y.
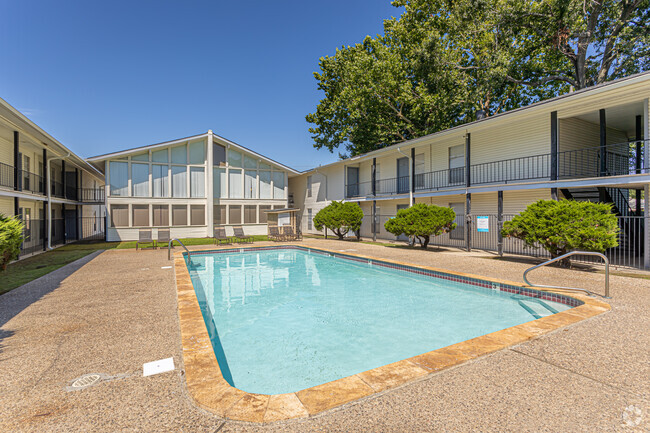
column 31, row 182
column 611, row 160
column 6, row 175
column 91, row 195
column 56, row 189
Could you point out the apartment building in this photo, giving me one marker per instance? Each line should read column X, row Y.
column 58, row 195
column 586, row 145
column 189, row 186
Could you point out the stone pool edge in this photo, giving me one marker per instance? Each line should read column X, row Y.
column 211, row 391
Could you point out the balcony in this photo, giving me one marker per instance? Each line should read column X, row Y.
column 91, row 195
column 612, row 160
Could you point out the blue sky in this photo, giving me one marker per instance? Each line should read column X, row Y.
column 105, row 76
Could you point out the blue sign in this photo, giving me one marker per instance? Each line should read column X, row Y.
column 482, row 224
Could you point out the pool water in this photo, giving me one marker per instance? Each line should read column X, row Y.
column 287, row 319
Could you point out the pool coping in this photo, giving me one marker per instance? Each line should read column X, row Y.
column 211, row 391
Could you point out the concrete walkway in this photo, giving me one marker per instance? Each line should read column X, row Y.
column 112, row 312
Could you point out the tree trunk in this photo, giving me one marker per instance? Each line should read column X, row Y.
column 424, row 241
column 339, row 233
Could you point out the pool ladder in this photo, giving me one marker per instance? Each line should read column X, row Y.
column 573, row 253
column 169, row 249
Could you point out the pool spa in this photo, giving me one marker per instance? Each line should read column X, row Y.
column 286, row 320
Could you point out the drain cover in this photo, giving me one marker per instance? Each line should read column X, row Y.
column 85, row 381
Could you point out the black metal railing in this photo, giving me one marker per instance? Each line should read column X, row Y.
column 56, row 189
column 6, row 175
column 63, row 231
column 31, row 182
column 611, row 160
column 91, row 195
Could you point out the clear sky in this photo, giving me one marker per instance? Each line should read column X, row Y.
column 105, row 76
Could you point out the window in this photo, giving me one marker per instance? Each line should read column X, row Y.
column 140, row 157
column 119, row 178
column 234, row 158
column 218, row 155
column 119, row 215
column 219, row 183
column 419, row 170
column 179, row 155
column 197, row 182
column 250, row 162
column 160, row 156
column 265, row 184
column 197, row 215
column 160, row 175
column 377, row 179
column 262, row 213
column 309, row 219
column 160, row 215
column 140, row 179
column 26, row 172
column 140, row 215
column 179, row 215
column 278, row 184
column 353, row 182
column 264, row 166
column 250, row 183
column 457, row 164
column 179, row 182
column 235, row 185
column 219, row 214
column 234, row 214
column 309, row 184
column 250, row 214
column 197, row 153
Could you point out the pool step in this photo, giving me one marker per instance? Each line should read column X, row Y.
column 537, row 308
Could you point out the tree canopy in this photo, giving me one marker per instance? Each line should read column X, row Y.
column 441, row 61
column 340, row 217
column 422, row 221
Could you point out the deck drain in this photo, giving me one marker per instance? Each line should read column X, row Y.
column 85, row 381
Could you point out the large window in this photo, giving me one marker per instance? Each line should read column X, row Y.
column 179, row 181
column 250, row 214
column 119, row 178
column 219, row 155
column 265, row 184
column 250, row 162
column 160, row 215
column 160, row 175
column 197, row 182
column 457, row 164
column 235, row 185
column 234, row 158
column 140, row 179
column 140, row 215
column 234, row 214
column 219, row 214
column 278, row 184
column 197, row 152
column 120, row 215
column 263, row 214
column 197, row 215
column 160, row 156
column 309, row 186
column 250, row 184
column 179, row 155
column 219, row 183
column 179, row 215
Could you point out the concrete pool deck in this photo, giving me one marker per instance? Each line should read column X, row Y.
column 118, row 310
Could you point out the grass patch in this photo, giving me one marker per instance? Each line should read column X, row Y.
column 31, row 268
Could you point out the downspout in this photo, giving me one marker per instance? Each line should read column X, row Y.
column 410, row 176
column 49, row 198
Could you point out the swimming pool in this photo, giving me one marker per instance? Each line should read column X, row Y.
column 282, row 319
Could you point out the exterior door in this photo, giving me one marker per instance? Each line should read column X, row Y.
column 353, row 182
column 71, row 224
column 403, row 175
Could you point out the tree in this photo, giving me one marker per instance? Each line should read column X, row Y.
column 11, row 236
column 340, row 218
column 422, row 221
column 565, row 225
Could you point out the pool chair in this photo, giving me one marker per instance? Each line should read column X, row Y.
column 220, row 236
column 289, row 234
column 164, row 237
column 274, row 234
column 240, row 236
column 144, row 237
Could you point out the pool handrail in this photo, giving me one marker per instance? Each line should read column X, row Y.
column 169, row 248
column 563, row 256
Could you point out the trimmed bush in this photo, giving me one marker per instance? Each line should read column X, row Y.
column 340, row 218
column 565, row 225
column 11, row 236
column 422, row 221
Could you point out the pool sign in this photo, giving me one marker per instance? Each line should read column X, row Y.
column 482, row 224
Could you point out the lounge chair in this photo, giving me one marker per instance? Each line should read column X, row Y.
column 289, row 234
column 240, row 236
column 220, row 236
column 274, row 234
column 164, row 236
column 145, row 237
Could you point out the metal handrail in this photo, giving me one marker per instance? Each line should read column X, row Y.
column 169, row 249
column 572, row 253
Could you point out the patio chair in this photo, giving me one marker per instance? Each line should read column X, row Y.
column 240, row 236
column 220, row 236
column 164, row 236
column 290, row 234
column 145, row 237
column 274, row 234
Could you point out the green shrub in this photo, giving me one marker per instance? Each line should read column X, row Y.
column 565, row 225
column 11, row 236
column 422, row 221
column 340, row 218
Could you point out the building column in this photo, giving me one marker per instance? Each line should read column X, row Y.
column 65, row 228
column 80, row 222
column 17, row 206
column 468, row 220
column 468, row 141
column 374, row 220
column 44, row 222
column 638, row 159
column 209, row 176
column 412, row 186
column 64, row 183
column 554, row 152
column 603, row 143
column 373, row 176
column 499, row 222
column 17, row 162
